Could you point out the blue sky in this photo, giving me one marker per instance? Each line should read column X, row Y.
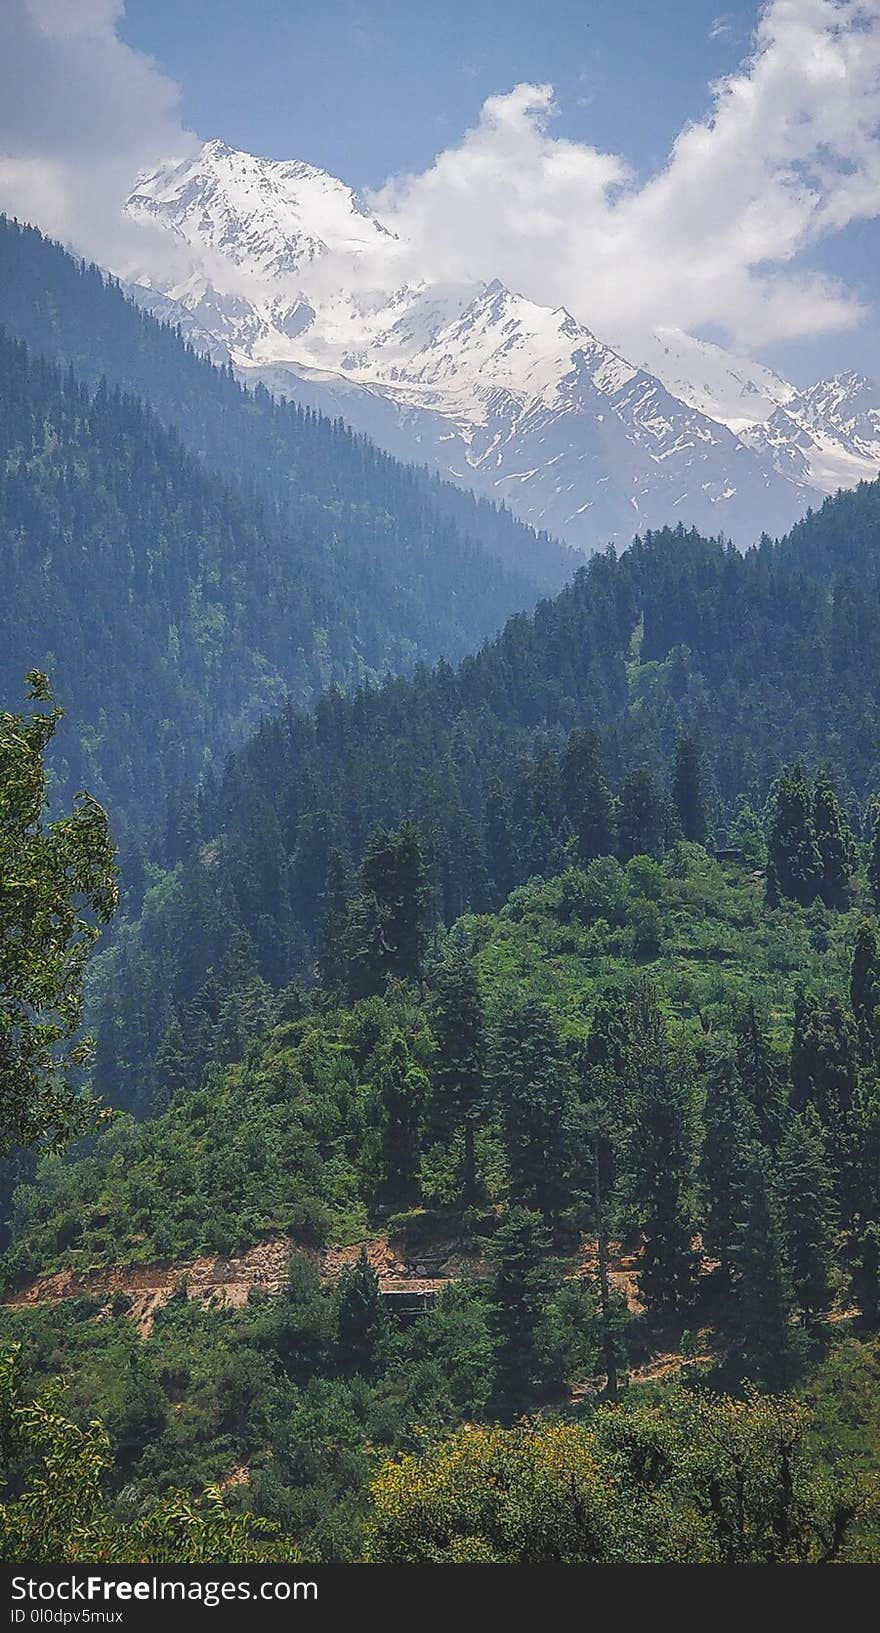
column 641, row 163
column 365, row 90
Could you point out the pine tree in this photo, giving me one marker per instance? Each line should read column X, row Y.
column 402, row 1090
column 362, row 1325
column 835, row 844
column 866, row 1273
column 525, row 1280
column 772, row 1345
column 731, row 1135
column 807, row 1202
column 640, row 817
column 761, row 1077
column 529, row 1080
column 791, row 846
column 660, row 1158
column 864, row 989
column 587, row 796
column 387, row 918
column 333, row 960
column 500, row 844
column 688, row 789
column 459, row 1075
column 874, row 857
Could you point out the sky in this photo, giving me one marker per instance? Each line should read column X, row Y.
column 641, row 163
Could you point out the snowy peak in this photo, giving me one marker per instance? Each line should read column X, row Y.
column 827, row 435
column 281, row 267
column 736, row 391
column 269, row 217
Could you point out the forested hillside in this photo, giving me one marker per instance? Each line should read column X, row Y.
column 628, row 1126
column 554, row 742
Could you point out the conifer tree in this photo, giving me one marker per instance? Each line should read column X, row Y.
column 500, row 844
column 332, row 959
column 587, row 796
column 772, row 1345
column 866, row 1272
column 459, row 1075
column 402, row 1091
column 761, row 1077
column 688, row 789
column 387, row 921
column 835, row 844
column 660, row 1157
column 864, row 989
column 525, row 1280
column 807, row 1201
column 730, row 1137
column 874, row 856
column 530, row 1088
column 362, row 1325
column 640, row 817
column 791, row 845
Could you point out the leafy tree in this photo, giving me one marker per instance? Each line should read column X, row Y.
column 688, row 789
column 57, row 886
column 59, row 1514
column 706, row 1481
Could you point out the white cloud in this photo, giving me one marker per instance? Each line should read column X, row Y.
column 789, row 154
column 80, row 114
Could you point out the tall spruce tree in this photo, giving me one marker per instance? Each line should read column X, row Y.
column 731, row 1134
column 808, row 1212
column 772, row 1346
column 761, row 1077
column 362, row 1325
column 530, row 1087
column 525, row 1280
column 388, row 914
column 641, row 817
column 587, row 796
column 791, row 846
column 874, row 856
column 660, row 1157
column 688, row 788
column 460, row 1071
column 864, row 991
column 402, row 1089
column 835, row 843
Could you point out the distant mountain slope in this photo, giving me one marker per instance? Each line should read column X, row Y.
column 280, row 267
column 769, row 655
column 69, row 312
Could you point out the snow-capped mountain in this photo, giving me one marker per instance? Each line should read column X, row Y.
column 283, row 269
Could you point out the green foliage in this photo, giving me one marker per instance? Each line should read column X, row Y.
column 59, row 1512
column 714, row 1481
column 57, row 886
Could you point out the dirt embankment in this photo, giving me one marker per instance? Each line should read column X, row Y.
column 227, row 1282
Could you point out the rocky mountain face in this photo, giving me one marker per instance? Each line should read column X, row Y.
column 282, row 269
